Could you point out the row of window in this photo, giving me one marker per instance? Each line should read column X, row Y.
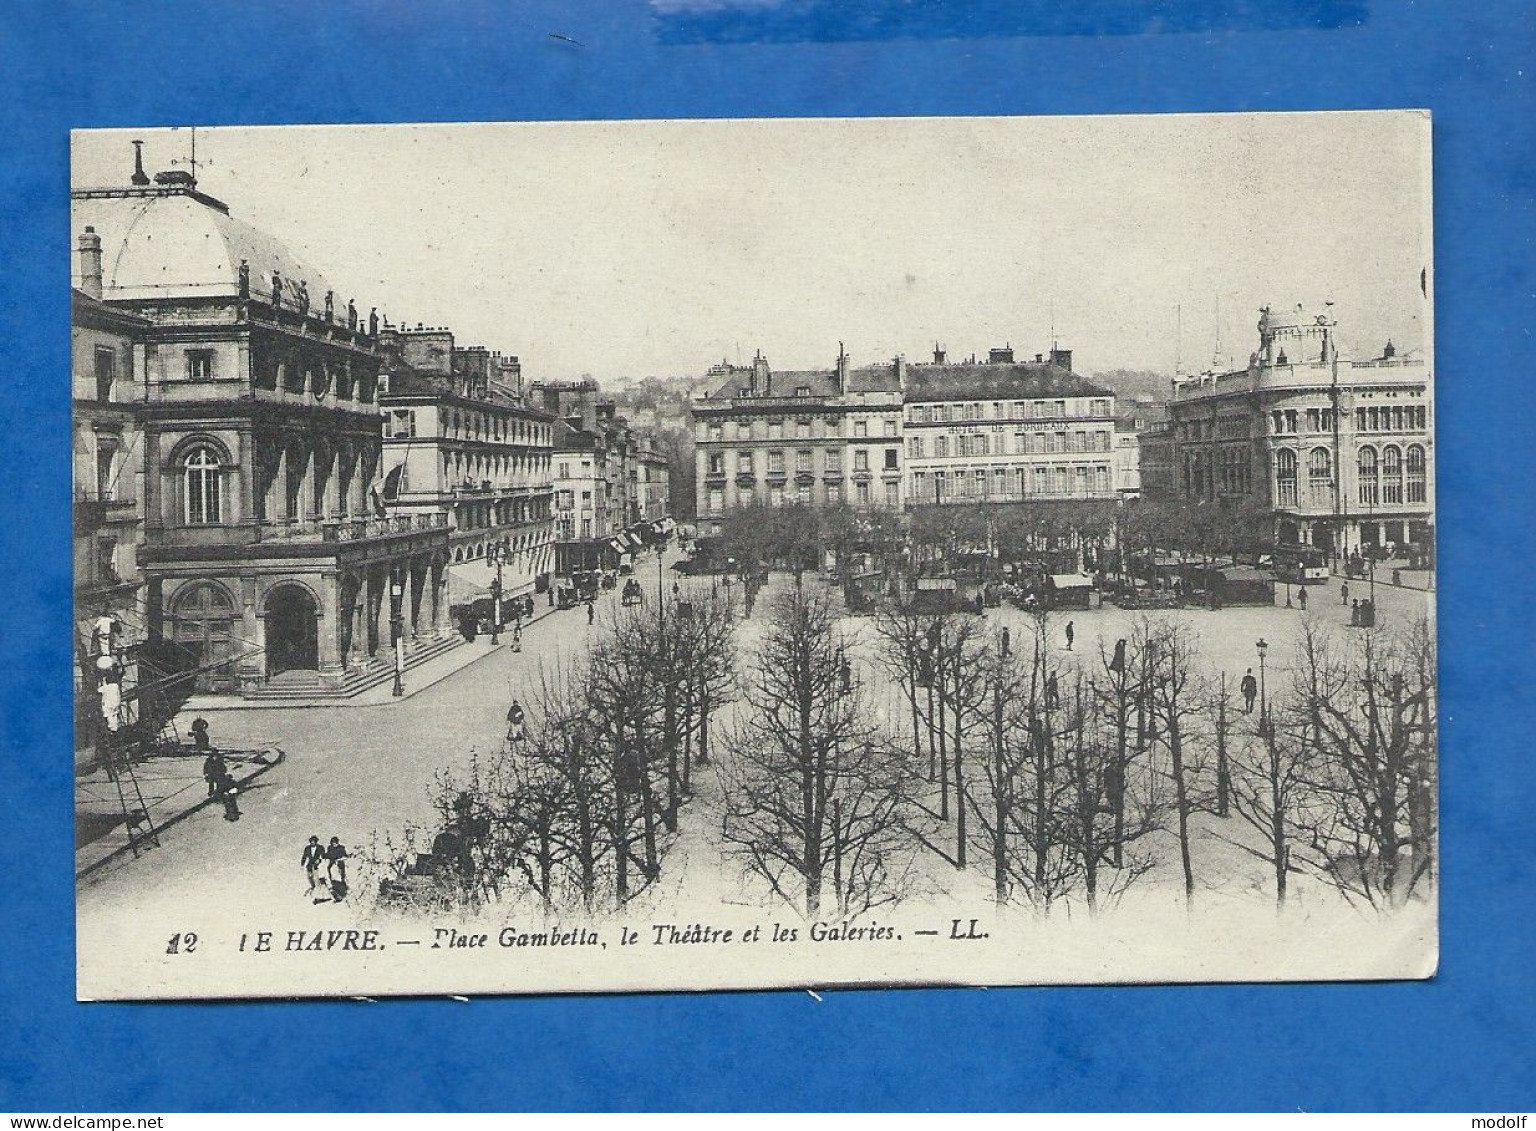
column 831, row 461
column 1391, row 418
column 1006, row 483
column 1008, row 410
column 775, row 430
column 1387, row 478
column 1024, row 443
column 863, row 495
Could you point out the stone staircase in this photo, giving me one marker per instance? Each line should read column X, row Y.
column 300, row 686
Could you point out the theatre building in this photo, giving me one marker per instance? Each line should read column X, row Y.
column 265, row 549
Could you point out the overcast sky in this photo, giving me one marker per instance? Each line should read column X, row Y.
column 624, row 249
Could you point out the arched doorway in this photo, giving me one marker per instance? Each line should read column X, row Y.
column 203, row 621
column 293, row 638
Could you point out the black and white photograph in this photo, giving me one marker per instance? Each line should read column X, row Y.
column 730, row 554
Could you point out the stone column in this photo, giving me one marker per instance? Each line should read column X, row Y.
column 421, row 571
column 437, row 576
column 328, row 626
column 251, row 670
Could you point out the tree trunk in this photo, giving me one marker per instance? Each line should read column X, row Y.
column 959, row 773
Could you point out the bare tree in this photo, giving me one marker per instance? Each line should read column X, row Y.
column 1175, row 695
column 1374, row 710
column 815, row 798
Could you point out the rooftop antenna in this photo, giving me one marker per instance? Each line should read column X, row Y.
column 1053, row 324
column 1178, row 340
column 191, row 162
column 1216, row 362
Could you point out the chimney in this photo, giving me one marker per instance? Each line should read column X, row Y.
column 1061, row 358
column 140, row 177
column 1002, row 356
column 938, row 354
column 759, row 381
column 842, row 368
column 90, row 262
column 901, row 371
column 1389, row 351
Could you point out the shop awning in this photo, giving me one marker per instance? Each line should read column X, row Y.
column 1071, row 581
column 617, row 542
column 468, row 580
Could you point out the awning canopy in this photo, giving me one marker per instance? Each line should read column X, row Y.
column 1071, row 581
column 468, row 580
column 1245, row 574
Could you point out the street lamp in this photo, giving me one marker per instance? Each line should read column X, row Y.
column 496, row 597
column 1263, row 647
column 397, row 628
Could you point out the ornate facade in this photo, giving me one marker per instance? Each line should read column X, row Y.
column 1341, row 451
column 265, row 548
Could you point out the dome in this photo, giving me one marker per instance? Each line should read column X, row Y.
column 178, row 243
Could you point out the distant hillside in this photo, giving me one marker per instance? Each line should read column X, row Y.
column 1140, row 384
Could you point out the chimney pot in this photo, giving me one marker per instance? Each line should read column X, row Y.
column 90, row 262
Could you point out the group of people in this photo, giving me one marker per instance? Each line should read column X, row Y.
column 333, row 858
column 221, row 783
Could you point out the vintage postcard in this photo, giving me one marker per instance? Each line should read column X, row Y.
column 778, row 553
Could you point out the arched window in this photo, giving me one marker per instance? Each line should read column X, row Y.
column 1391, row 476
column 203, row 494
column 1320, row 475
column 1285, row 478
column 1416, row 491
column 1366, row 468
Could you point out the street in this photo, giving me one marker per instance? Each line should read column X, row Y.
column 357, row 771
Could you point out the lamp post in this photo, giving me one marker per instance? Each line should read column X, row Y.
column 397, row 629
column 496, row 598
column 1263, row 646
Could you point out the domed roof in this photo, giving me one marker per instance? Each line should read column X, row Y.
column 176, row 242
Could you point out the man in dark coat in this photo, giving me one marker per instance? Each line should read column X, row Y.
column 214, row 772
column 1070, row 635
column 1250, row 689
column 311, row 858
column 336, row 867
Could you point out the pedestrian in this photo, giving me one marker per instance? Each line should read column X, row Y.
column 336, row 868
column 1250, row 689
column 1070, row 635
column 1344, row 593
column 200, row 734
column 1301, row 598
column 515, row 721
column 591, row 612
column 228, row 792
column 677, row 590
column 517, row 636
column 1007, row 641
column 1354, row 613
column 311, row 858
column 1052, row 692
column 213, row 772
column 1397, row 576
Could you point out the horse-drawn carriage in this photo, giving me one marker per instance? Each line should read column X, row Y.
column 632, row 594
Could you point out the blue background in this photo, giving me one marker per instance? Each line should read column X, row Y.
column 1464, row 1041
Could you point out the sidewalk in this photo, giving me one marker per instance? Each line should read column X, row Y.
column 415, row 679
column 173, row 789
